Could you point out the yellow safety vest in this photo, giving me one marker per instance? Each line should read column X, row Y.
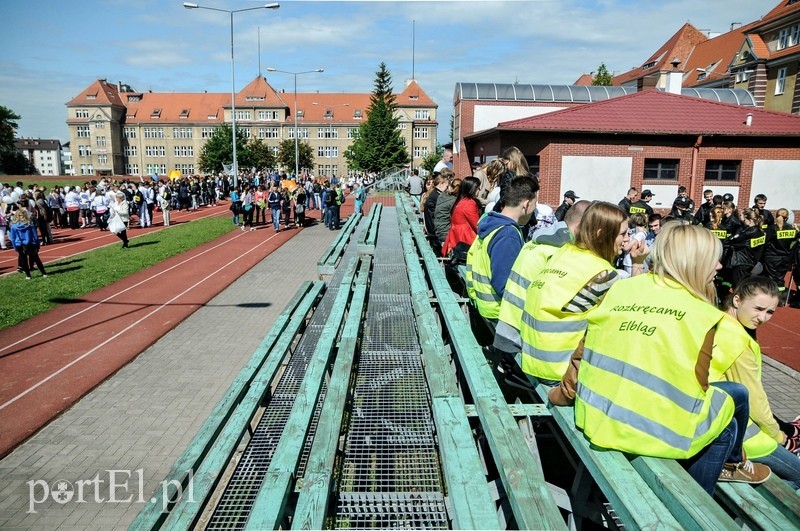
column 479, row 276
column 531, row 259
column 637, row 390
column 550, row 335
column 732, row 339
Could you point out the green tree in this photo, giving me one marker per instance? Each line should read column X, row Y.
column 12, row 161
column 305, row 154
column 219, row 150
column 261, row 155
column 602, row 76
column 430, row 160
column 379, row 145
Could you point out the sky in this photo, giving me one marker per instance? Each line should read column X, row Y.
column 51, row 50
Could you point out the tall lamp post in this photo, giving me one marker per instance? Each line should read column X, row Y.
column 329, row 133
column 190, row 5
column 295, row 74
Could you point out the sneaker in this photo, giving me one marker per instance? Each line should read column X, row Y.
column 44, row 276
column 745, row 472
column 252, row 229
column 243, row 229
column 27, row 278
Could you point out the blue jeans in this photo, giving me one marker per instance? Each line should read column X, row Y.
column 276, row 218
column 706, row 466
column 785, row 464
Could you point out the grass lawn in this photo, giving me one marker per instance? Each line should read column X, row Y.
column 76, row 276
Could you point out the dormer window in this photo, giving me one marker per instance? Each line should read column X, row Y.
column 413, row 97
column 133, row 99
column 651, row 64
column 155, row 114
column 184, row 114
column 357, row 114
column 328, row 114
column 254, row 98
column 299, row 113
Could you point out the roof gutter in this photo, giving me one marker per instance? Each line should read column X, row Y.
column 695, row 153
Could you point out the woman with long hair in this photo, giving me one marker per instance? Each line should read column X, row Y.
column 464, row 217
column 442, row 212
column 715, row 223
column 643, row 384
column 494, row 172
column 767, row 440
column 567, row 289
column 25, row 241
column 781, row 238
column 119, row 208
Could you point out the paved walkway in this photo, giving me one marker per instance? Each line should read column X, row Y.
column 141, row 419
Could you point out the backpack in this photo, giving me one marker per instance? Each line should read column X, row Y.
column 167, row 193
column 317, row 188
column 339, row 197
column 138, row 197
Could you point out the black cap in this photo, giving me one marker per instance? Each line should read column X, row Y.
column 727, row 197
column 571, row 194
column 682, row 202
column 647, row 192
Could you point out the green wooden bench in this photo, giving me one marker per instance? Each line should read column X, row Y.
column 210, row 449
column 327, row 262
column 366, row 242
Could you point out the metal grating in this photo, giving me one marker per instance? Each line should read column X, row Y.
column 390, row 475
column 240, row 493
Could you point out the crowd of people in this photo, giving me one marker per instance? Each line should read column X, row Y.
column 644, row 321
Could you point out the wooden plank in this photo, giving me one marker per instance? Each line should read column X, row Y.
column 268, row 509
column 472, row 505
column 152, row 515
column 327, row 262
column 312, row 502
column 782, row 496
column 518, row 410
column 207, row 474
column 755, row 510
column 683, row 496
column 631, row 498
column 518, row 465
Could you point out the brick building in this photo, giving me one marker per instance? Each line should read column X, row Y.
column 656, row 140
column 114, row 129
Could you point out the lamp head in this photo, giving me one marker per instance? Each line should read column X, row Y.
column 273, row 5
column 189, row 5
column 271, row 70
column 319, row 70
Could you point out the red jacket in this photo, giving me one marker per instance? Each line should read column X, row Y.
column 463, row 225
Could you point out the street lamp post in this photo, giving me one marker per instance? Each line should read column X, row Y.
column 295, row 74
column 190, row 5
column 329, row 133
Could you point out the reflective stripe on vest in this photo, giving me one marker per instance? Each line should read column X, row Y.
column 550, row 335
column 478, row 276
column 637, row 387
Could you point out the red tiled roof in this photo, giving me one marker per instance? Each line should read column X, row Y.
column 413, row 96
column 718, row 51
column 679, row 46
column 342, row 106
column 98, row 93
column 661, row 113
column 584, row 80
column 202, row 107
column 758, row 46
column 260, row 94
column 783, row 9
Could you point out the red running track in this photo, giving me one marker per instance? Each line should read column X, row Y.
column 50, row 361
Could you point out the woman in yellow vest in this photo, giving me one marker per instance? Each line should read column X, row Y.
column 643, row 385
column 569, row 286
column 752, row 304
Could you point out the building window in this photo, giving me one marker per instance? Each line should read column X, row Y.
column 300, row 114
column 743, row 76
column 99, row 125
column 81, row 113
column 783, row 38
column 101, row 141
column 242, row 115
column 267, row 115
column 794, row 38
column 184, row 151
column 327, row 132
column 154, row 132
column 722, row 170
column 302, row 132
column 102, row 160
column 421, row 133
column 207, row 132
column 155, row 114
column 401, row 125
column 130, row 151
column 352, row 132
column 327, row 152
column 182, row 132
column 83, row 131
column 129, row 132
column 780, row 81
column 357, row 114
column 268, row 132
column 661, row 169
column 131, row 169
column 420, row 152
column 422, row 114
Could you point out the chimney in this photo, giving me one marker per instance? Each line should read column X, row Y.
column 675, row 78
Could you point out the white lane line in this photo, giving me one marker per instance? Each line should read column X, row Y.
column 107, row 299
column 129, row 327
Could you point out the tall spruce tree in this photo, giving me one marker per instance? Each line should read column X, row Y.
column 379, row 145
column 603, row 76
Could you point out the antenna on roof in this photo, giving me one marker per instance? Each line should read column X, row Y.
column 413, row 44
column 259, row 51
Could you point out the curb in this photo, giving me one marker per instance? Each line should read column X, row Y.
column 785, row 369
